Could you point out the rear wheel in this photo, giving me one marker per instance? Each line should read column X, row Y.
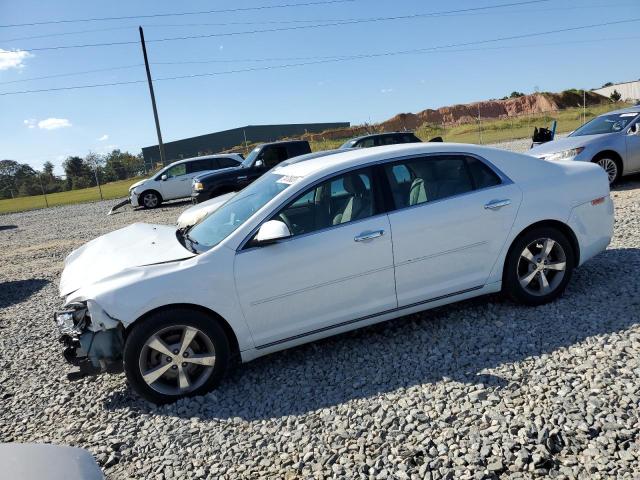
column 611, row 166
column 176, row 353
column 539, row 266
column 150, row 199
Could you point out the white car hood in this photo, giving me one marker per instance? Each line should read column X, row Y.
column 562, row 144
column 137, row 184
column 133, row 246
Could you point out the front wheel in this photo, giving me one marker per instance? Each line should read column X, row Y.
column 175, row 353
column 538, row 266
column 150, row 199
column 611, row 167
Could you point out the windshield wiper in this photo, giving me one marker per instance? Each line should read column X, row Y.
column 183, row 238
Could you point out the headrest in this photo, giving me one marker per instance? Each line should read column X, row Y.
column 354, row 185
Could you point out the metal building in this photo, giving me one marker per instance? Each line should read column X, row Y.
column 219, row 141
column 629, row 91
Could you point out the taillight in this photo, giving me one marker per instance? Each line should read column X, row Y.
column 597, row 201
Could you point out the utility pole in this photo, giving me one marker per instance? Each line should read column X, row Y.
column 584, row 106
column 98, row 182
column 153, row 97
column 479, row 125
column 46, row 202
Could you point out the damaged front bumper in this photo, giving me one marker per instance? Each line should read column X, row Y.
column 89, row 349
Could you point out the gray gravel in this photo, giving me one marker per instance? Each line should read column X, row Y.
column 481, row 389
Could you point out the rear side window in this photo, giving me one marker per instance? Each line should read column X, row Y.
column 200, row 165
column 483, row 176
column 299, row 148
column 420, row 180
column 227, row 162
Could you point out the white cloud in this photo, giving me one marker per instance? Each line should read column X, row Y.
column 386, row 90
column 103, row 138
column 30, row 122
column 221, row 47
column 12, row 59
column 53, row 123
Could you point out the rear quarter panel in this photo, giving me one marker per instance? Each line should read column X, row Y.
column 550, row 191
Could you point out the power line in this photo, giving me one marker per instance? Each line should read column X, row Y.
column 297, row 27
column 286, row 22
column 335, row 59
column 289, row 59
column 178, row 14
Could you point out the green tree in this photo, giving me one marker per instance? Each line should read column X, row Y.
column 615, row 96
column 516, row 94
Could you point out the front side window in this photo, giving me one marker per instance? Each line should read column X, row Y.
column 273, row 155
column 420, row 180
column 343, row 199
column 177, row 170
column 224, row 221
column 366, row 143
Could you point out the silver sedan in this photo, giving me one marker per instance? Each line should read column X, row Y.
column 611, row 140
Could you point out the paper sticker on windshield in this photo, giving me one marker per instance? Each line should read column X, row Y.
column 289, row 179
column 628, row 114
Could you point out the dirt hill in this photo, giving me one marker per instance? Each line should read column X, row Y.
column 468, row 113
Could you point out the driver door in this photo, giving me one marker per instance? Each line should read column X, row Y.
column 177, row 184
column 336, row 268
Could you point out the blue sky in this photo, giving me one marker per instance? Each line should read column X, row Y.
column 38, row 127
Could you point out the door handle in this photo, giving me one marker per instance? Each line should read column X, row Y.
column 242, row 178
column 496, row 204
column 363, row 237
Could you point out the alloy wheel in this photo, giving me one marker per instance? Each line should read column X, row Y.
column 177, row 360
column 542, row 266
column 150, row 200
column 609, row 166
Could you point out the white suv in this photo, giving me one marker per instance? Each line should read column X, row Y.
column 174, row 181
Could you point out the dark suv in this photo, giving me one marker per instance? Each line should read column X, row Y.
column 379, row 139
column 262, row 158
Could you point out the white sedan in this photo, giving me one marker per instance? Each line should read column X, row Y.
column 320, row 247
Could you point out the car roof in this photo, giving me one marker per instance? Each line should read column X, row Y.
column 362, row 137
column 345, row 159
column 634, row 109
column 204, row 157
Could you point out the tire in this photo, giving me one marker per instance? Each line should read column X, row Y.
column 155, row 347
column 611, row 166
column 150, row 199
column 527, row 278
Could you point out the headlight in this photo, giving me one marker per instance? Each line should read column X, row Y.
column 198, row 186
column 565, row 155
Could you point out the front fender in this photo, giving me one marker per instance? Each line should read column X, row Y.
column 198, row 281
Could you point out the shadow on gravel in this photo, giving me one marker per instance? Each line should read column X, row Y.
column 457, row 343
column 7, row 227
column 17, row 291
column 627, row 183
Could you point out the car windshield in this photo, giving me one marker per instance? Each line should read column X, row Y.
column 605, row 124
column 251, row 157
column 224, row 221
column 348, row 144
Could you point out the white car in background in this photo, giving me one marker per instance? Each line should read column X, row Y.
column 323, row 246
column 174, row 181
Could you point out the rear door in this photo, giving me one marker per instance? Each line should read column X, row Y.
column 452, row 216
column 177, row 184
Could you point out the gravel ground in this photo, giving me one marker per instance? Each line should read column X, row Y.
column 480, row 389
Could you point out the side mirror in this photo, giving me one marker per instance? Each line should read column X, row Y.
column 635, row 129
column 271, row 232
column 259, row 164
column 164, row 177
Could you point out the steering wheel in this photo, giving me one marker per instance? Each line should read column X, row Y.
column 286, row 221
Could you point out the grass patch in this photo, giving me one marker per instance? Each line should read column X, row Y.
column 109, row 190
